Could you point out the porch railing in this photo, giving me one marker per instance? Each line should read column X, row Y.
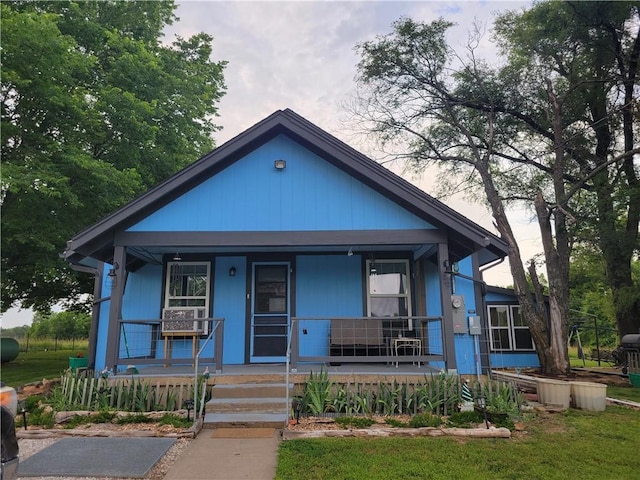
column 142, row 342
column 337, row 340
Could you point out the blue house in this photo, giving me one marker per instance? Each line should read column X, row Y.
column 287, row 244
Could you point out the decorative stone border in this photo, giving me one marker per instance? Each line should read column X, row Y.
column 40, row 433
column 491, row 432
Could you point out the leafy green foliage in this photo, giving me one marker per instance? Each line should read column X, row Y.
column 175, row 421
column 465, row 419
column 316, row 393
column 395, row 423
column 425, row 420
column 437, row 394
column 61, row 325
column 134, row 418
column 96, row 108
column 355, row 422
column 543, row 130
column 102, row 416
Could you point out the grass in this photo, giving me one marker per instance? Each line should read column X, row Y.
column 559, row 446
column 624, row 393
column 36, row 365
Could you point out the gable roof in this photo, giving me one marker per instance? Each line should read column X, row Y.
column 465, row 237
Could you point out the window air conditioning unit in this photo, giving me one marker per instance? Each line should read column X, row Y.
column 184, row 320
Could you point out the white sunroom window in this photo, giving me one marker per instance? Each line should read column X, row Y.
column 508, row 329
column 187, row 285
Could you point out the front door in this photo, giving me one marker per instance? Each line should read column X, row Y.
column 269, row 312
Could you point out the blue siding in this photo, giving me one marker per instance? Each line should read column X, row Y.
column 495, row 297
column 103, row 329
column 143, row 298
column 432, row 287
column 514, row 360
column 142, row 301
column 464, row 343
column 326, row 285
column 310, row 194
column 434, row 309
column 229, row 300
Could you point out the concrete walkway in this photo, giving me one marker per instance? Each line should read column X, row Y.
column 229, row 454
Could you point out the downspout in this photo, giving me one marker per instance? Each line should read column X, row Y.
column 95, row 313
column 481, row 269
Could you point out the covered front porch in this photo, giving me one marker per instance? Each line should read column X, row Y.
column 375, row 344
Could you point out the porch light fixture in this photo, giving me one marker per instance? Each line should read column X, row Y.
column 112, row 276
column 280, row 164
column 350, row 252
column 177, row 257
column 232, row 272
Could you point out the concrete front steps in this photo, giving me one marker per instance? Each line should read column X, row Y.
column 253, row 405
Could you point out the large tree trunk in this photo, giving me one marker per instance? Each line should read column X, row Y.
column 550, row 340
column 558, row 294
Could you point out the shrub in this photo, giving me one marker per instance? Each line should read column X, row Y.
column 395, row 423
column 465, row 419
column 134, row 418
column 425, row 420
column 174, row 420
column 357, row 422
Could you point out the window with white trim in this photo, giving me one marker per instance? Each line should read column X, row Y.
column 187, row 285
column 508, row 329
column 388, row 288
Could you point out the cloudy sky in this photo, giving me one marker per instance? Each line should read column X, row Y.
column 300, row 55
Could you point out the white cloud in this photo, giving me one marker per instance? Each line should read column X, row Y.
column 301, row 55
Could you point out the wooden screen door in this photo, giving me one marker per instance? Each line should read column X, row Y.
column 269, row 312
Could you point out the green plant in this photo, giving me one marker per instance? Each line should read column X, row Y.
column 425, row 420
column 503, row 398
column 395, row 423
column 134, row 418
column 388, row 395
column 465, row 419
column 316, row 393
column 357, row 422
column 174, row 420
column 41, row 416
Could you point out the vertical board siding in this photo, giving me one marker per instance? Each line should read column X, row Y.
column 229, row 301
column 142, row 301
column 326, row 285
column 100, row 360
column 464, row 343
column 309, row 194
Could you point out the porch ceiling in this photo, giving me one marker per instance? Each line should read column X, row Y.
column 156, row 254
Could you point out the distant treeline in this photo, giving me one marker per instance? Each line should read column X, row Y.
column 58, row 325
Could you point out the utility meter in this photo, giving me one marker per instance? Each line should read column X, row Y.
column 458, row 314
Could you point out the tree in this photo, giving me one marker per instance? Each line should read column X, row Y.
column 95, row 110
column 593, row 49
column 61, row 325
column 512, row 131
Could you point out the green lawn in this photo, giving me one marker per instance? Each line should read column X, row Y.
column 624, row 393
column 574, row 444
column 33, row 366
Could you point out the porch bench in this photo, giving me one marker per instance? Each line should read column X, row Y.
column 351, row 337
